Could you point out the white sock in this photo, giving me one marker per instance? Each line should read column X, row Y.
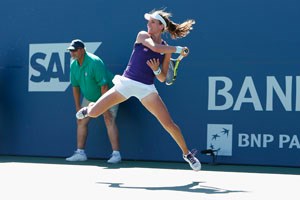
column 116, row 152
column 80, row 151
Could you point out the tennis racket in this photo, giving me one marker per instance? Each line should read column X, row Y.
column 173, row 68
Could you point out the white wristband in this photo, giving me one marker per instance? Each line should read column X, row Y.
column 157, row 72
column 178, row 49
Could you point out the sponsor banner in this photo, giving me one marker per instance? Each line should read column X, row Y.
column 49, row 66
column 220, row 95
column 219, row 138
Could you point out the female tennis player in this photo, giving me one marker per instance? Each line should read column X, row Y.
column 138, row 78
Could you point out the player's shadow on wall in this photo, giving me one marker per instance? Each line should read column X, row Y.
column 196, row 187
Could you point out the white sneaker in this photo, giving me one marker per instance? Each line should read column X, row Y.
column 82, row 113
column 77, row 157
column 115, row 158
column 193, row 161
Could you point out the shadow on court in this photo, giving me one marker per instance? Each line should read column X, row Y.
column 135, row 179
column 196, row 187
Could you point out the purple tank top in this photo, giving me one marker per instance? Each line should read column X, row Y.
column 137, row 68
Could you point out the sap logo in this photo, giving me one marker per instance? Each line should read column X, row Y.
column 49, row 66
column 219, row 138
column 222, row 98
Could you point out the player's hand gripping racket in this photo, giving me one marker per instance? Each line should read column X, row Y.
column 173, row 67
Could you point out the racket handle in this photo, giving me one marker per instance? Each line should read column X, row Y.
column 185, row 52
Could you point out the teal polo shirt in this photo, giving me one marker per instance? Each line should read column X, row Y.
column 90, row 76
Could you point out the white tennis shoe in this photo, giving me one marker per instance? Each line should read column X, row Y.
column 77, row 156
column 115, row 158
column 193, row 161
column 82, row 113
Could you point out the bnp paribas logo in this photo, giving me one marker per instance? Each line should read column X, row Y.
column 219, row 138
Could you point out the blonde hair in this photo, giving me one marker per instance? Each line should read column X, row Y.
column 174, row 29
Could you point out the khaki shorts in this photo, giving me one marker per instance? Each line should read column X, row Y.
column 113, row 110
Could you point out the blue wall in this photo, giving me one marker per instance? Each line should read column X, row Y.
column 242, row 76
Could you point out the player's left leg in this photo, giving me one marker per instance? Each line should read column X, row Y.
column 154, row 104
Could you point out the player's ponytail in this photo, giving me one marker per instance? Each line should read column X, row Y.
column 176, row 30
column 180, row 30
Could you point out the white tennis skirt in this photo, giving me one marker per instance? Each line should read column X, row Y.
column 129, row 88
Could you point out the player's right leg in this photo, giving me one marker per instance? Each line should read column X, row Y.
column 106, row 101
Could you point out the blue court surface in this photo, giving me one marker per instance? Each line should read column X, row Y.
column 37, row 178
